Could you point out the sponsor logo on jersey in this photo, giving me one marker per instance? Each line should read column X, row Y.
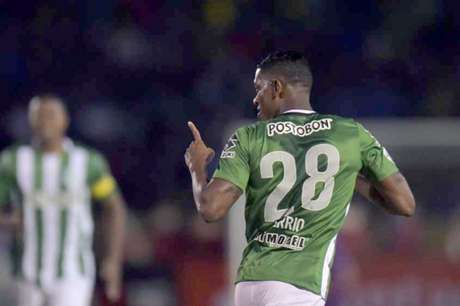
column 288, row 127
column 293, row 242
column 275, row 240
column 229, row 149
column 43, row 199
column 293, row 224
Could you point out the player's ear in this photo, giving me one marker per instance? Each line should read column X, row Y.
column 277, row 89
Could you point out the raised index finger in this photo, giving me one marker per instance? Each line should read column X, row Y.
column 195, row 131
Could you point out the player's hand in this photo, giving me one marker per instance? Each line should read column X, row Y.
column 198, row 155
column 111, row 275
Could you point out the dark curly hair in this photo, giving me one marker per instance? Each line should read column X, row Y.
column 290, row 65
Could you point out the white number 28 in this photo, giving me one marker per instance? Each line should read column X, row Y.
column 315, row 176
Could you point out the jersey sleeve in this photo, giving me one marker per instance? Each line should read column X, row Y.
column 7, row 176
column 377, row 163
column 234, row 160
column 101, row 182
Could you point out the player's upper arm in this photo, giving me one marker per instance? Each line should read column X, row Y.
column 100, row 180
column 380, row 169
column 234, row 160
column 229, row 180
column 397, row 194
column 377, row 164
column 217, row 199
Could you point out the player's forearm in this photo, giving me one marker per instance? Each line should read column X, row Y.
column 115, row 218
column 212, row 199
column 199, row 184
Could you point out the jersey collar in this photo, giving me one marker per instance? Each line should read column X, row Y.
column 299, row 111
column 67, row 144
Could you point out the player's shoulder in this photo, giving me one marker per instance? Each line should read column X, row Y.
column 253, row 126
column 341, row 122
column 8, row 154
column 91, row 152
column 251, row 130
column 338, row 119
column 355, row 124
column 11, row 150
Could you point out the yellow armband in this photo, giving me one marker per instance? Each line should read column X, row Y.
column 103, row 188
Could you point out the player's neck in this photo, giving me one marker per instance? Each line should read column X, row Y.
column 299, row 101
column 296, row 106
column 54, row 146
column 301, row 107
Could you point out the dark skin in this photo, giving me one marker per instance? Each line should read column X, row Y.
column 274, row 95
column 392, row 194
column 49, row 121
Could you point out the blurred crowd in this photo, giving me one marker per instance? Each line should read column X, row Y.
column 133, row 72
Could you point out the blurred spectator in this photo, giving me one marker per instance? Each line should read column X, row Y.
column 201, row 273
column 452, row 240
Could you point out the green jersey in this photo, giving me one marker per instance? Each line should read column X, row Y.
column 53, row 192
column 298, row 171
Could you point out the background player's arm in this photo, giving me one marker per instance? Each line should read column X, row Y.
column 105, row 191
column 392, row 193
column 9, row 216
column 213, row 199
column 114, row 215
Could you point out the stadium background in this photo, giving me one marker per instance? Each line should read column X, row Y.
column 133, row 72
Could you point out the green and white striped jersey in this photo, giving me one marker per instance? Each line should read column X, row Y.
column 53, row 193
column 299, row 172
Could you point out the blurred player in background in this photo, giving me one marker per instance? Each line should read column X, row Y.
column 299, row 170
column 50, row 183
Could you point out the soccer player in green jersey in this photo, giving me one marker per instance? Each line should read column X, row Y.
column 299, row 170
column 51, row 183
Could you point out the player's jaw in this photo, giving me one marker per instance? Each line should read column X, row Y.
column 266, row 109
column 48, row 134
column 259, row 112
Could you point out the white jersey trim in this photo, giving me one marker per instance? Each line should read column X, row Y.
column 50, row 187
column 327, row 267
column 302, row 111
column 328, row 260
column 25, row 173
